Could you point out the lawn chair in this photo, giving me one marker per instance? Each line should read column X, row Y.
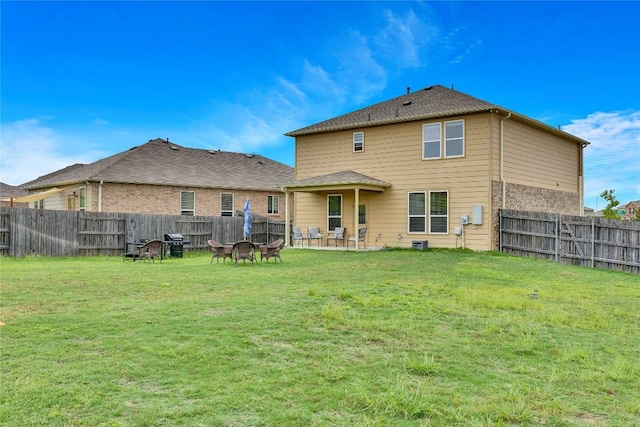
column 243, row 250
column 298, row 236
column 362, row 233
column 151, row 250
column 337, row 235
column 218, row 250
column 315, row 234
column 272, row 250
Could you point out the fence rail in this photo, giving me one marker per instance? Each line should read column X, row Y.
column 586, row 241
column 26, row 231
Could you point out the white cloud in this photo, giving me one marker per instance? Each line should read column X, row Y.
column 403, row 37
column 612, row 161
column 31, row 149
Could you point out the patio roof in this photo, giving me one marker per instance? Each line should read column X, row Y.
column 343, row 180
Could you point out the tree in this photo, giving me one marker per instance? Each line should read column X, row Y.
column 610, row 212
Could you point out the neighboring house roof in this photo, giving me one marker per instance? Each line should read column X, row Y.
column 338, row 179
column 10, row 191
column 428, row 103
column 160, row 162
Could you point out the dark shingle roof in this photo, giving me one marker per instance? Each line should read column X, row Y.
column 160, row 162
column 428, row 103
column 8, row 191
column 433, row 101
column 339, row 178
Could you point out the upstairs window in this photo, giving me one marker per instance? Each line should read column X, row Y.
column 226, row 204
column 358, row 141
column 273, row 205
column 431, row 141
column 454, row 138
column 188, row 203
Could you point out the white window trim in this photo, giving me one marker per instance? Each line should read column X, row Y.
column 233, row 203
column 409, row 216
column 341, row 210
column 438, row 216
column 277, row 199
column 82, row 189
column 361, row 142
column 444, row 129
column 193, row 209
column 439, row 141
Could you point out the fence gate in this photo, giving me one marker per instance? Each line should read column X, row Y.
column 585, row 241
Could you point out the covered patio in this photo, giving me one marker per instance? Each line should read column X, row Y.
column 344, row 181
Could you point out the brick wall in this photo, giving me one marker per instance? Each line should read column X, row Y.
column 527, row 198
column 158, row 199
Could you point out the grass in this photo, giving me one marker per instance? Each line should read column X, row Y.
column 390, row 338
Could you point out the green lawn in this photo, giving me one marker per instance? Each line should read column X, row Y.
column 389, row 338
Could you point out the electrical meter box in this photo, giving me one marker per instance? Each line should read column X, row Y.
column 476, row 214
column 464, row 219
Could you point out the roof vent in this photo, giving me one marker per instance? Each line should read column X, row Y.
column 408, row 90
column 260, row 162
column 428, row 88
column 173, row 147
column 406, row 103
column 212, row 151
column 248, row 155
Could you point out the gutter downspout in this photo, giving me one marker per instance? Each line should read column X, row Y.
column 287, row 235
column 502, row 180
column 581, row 179
column 100, row 196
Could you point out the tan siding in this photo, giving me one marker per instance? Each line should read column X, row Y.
column 394, row 153
column 539, row 159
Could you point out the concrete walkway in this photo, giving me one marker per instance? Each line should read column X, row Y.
column 338, row 248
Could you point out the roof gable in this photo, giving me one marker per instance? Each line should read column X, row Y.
column 160, row 162
column 433, row 101
column 428, row 103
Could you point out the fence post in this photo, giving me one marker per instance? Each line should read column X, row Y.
column 593, row 243
column 500, row 231
column 557, row 237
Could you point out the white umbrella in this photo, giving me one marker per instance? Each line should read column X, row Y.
column 247, row 219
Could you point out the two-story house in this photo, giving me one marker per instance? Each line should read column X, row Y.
column 435, row 165
column 161, row 177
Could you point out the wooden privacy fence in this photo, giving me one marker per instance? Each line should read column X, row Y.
column 62, row 233
column 576, row 240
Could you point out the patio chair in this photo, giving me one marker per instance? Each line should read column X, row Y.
column 218, row 250
column 151, row 250
column 362, row 233
column 243, row 250
column 298, row 236
column 272, row 250
column 315, row 234
column 337, row 235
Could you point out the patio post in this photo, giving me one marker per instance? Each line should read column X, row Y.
column 355, row 215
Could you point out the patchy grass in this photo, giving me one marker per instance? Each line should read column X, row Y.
column 399, row 337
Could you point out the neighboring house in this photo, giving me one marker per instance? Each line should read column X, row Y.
column 411, row 167
column 161, row 177
column 629, row 210
column 9, row 195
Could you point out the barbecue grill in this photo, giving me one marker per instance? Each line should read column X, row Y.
column 175, row 244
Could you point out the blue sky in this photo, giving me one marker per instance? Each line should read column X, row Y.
column 84, row 80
